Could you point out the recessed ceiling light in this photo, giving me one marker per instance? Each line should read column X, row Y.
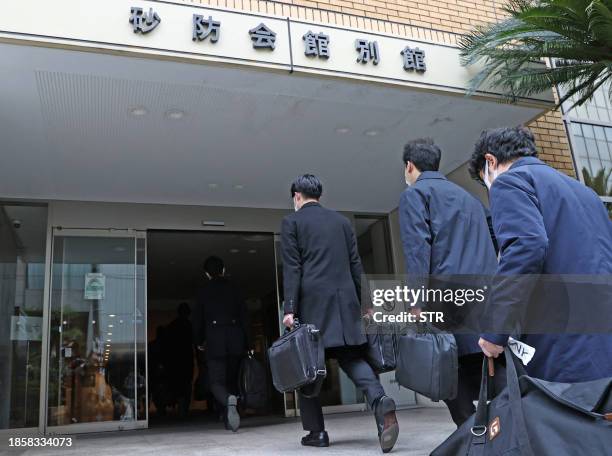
column 342, row 130
column 371, row 132
column 109, row 334
column 108, row 340
column 238, row 186
column 213, row 185
column 138, row 111
column 112, row 315
column 175, row 114
column 234, row 250
column 110, row 326
column 252, row 251
column 119, row 249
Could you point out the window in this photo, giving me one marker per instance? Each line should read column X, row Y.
column 590, row 128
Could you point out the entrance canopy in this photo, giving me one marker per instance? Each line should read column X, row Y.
column 98, row 127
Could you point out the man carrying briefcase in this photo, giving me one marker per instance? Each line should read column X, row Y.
column 322, row 284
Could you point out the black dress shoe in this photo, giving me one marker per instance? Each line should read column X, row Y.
column 316, row 439
column 386, row 422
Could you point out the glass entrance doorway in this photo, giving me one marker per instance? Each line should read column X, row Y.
column 179, row 384
column 97, row 349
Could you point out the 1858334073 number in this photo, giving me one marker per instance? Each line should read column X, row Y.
column 58, row 442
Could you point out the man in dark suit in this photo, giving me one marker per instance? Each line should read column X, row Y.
column 224, row 335
column 445, row 235
column 551, row 229
column 322, row 286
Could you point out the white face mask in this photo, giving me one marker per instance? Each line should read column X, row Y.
column 489, row 177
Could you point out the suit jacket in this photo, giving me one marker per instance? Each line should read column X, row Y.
column 548, row 223
column 445, row 233
column 223, row 314
column 322, row 273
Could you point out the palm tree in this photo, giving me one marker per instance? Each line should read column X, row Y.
column 600, row 183
column 574, row 34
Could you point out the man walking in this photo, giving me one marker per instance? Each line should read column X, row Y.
column 322, row 285
column 545, row 223
column 445, row 233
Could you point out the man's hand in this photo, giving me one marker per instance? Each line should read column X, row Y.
column 490, row 349
column 288, row 320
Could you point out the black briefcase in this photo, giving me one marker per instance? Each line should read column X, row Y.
column 532, row 417
column 381, row 351
column 427, row 363
column 297, row 360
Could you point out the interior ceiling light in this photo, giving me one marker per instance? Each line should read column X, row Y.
column 238, row 186
column 138, row 111
column 342, row 130
column 175, row 114
column 213, row 185
column 119, row 249
column 252, row 251
column 112, row 315
column 371, row 132
column 256, row 237
column 234, row 250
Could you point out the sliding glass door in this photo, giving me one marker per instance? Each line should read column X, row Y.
column 97, row 352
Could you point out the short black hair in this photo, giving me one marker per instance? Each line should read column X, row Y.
column 308, row 185
column 505, row 144
column 214, row 266
column 423, row 153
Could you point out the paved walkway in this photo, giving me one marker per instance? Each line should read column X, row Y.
column 421, row 430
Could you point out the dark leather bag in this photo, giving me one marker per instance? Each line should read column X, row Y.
column 381, row 351
column 297, row 360
column 427, row 363
column 532, row 417
column 252, row 382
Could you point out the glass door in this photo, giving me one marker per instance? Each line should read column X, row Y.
column 97, row 349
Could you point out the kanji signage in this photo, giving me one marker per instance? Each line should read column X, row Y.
column 316, row 44
column 143, row 22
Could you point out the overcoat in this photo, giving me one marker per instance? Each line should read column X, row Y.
column 445, row 234
column 322, row 273
column 549, row 225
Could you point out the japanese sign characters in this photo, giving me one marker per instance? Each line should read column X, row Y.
column 368, row 50
column 143, row 22
column 262, row 37
column 316, row 45
column 414, row 59
column 203, row 28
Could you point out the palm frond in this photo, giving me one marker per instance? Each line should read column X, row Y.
column 575, row 34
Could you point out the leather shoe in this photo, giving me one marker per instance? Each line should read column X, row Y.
column 232, row 418
column 316, row 439
column 386, row 423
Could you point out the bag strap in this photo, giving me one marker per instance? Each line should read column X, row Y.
column 321, row 374
column 481, row 418
column 516, row 405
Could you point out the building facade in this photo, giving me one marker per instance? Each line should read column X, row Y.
column 140, row 137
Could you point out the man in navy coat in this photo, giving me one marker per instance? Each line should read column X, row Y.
column 446, row 237
column 545, row 223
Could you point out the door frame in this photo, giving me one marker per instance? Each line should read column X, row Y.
column 102, row 426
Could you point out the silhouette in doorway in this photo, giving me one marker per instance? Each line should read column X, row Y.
column 223, row 337
column 179, row 358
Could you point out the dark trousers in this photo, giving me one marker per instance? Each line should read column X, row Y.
column 470, row 374
column 223, row 375
column 352, row 361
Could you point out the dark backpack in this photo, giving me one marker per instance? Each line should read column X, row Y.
column 253, row 384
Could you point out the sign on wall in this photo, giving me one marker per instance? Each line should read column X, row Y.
column 188, row 31
column 95, row 285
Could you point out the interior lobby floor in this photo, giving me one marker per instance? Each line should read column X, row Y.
column 421, row 430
